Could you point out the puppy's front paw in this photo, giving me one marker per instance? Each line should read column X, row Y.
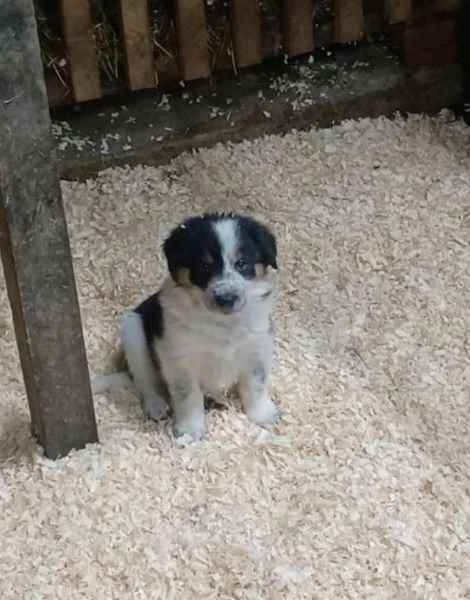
column 155, row 408
column 193, row 429
column 263, row 412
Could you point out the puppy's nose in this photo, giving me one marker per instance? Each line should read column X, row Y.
column 225, row 300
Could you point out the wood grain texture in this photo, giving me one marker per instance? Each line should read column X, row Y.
column 349, row 21
column 297, row 19
column 34, row 246
column 137, row 43
column 398, row 11
column 448, row 5
column 245, row 21
column 192, row 39
column 81, row 52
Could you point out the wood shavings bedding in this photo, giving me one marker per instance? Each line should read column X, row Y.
column 362, row 489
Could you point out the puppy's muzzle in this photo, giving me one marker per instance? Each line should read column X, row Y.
column 227, row 301
column 227, row 298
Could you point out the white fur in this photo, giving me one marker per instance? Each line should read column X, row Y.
column 226, row 231
column 105, row 383
column 141, row 366
column 203, row 351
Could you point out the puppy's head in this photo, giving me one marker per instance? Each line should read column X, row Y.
column 220, row 257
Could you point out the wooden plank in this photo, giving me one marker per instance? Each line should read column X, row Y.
column 137, row 43
column 448, row 5
column 34, row 246
column 464, row 39
column 192, row 39
column 349, row 21
column 81, row 51
column 245, row 21
column 427, row 43
column 297, row 19
column 398, row 11
column 432, row 34
column 438, row 56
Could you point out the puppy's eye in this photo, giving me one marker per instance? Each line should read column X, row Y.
column 206, row 267
column 240, row 264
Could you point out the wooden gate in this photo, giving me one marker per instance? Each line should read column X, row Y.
column 100, row 47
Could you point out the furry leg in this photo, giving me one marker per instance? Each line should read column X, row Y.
column 141, row 367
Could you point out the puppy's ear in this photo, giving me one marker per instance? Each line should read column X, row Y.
column 175, row 249
column 265, row 242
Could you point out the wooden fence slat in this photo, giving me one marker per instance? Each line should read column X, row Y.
column 297, row 18
column 349, row 20
column 138, row 45
column 465, row 60
column 245, row 20
column 81, row 50
column 192, row 39
column 34, row 245
column 398, row 11
column 448, row 5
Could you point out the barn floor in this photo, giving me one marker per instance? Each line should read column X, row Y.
column 362, row 489
column 154, row 126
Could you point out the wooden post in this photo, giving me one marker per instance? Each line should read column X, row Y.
column 191, row 33
column 464, row 55
column 349, row 21
column 297, row 26
column 139, row 55
column 398, row 11
column 245, row 21
column 448, row 5
column 81, row 51
column 34, row 246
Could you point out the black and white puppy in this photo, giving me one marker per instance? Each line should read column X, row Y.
column 208, row 328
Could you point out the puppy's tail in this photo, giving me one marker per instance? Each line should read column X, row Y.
column 115, row 380
column 110, row 381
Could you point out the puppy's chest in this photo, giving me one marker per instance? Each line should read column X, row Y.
column 213, row 353
column 216, row 361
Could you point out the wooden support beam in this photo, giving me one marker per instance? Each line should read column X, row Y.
column 464, row 55
column 81, row 50
column 448, row 5
column 398, row 11
column 427, row 43
column 349, row 21
column 192, row 39
column 245, row 21
column 137, row 43
column 297, row 19
column 34, row 246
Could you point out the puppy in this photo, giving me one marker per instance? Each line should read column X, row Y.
column 208, row 328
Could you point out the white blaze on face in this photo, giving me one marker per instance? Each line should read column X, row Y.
column 226, row 232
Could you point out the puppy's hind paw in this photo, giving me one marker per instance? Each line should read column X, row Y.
column 155, row 408
column 263, row 412
column 191, row 430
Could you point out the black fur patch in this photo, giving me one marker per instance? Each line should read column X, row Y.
column 194, row 245
column 150, row 310
column 259, row 240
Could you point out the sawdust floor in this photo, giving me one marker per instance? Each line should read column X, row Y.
column 362, row 490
